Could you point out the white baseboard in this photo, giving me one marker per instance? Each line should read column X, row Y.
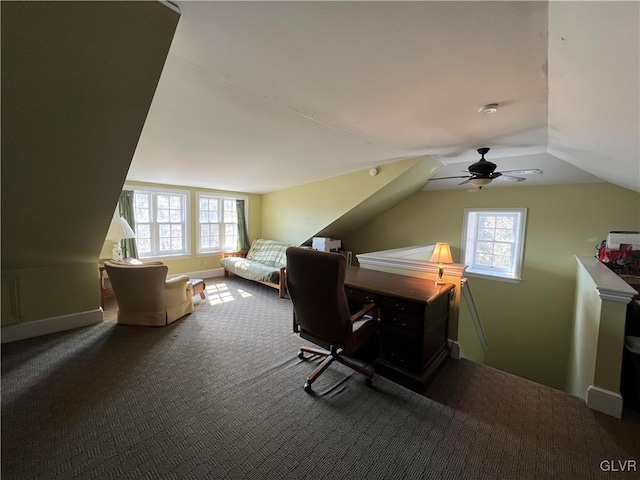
column 20, row 331
column 213, row 272
column 604, row 401
column 456, row 351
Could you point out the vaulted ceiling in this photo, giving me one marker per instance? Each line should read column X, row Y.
column 261, row 96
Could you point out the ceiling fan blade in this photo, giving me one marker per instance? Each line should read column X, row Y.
column 511, row 178
column 466, row 181
column 527, row 171
column 446, row 178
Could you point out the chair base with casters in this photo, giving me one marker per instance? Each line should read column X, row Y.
column 334, row 353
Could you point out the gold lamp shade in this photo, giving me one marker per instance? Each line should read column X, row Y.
column 441, row 255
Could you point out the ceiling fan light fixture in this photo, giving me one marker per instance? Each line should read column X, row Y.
column 489, row 108
column 480, row 181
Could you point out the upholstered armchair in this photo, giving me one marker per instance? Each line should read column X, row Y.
column 146, row 297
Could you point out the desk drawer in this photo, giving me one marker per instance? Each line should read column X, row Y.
column 407, row 323
column 434, row 339
column 403, row 307
column 361, row 297
column 400, row 349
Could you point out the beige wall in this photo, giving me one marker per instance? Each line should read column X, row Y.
column 528, row 325
column 294, row 215
column 195, row 262
column 77, row 82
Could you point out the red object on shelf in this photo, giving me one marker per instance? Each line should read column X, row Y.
column 615, row 258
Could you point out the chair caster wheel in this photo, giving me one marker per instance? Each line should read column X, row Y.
column 368, row 382
column 307, row 387
column 301, row 355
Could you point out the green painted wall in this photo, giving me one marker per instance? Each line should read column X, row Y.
column 77, row 82
column 339, row 204
column 528, row 325
column 208, row 261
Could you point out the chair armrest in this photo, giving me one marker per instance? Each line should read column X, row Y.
column 367, row 309
column 179, row 281
column 238, row 253
column 282, row 286
column 177, row 290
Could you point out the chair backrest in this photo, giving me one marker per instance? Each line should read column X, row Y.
column 315, row 282
column 138, row 288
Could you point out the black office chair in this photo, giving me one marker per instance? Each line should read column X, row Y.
column 315, row 282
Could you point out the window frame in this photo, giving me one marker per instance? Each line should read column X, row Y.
column 220, row 197
column 470, row 241
column 156, row 254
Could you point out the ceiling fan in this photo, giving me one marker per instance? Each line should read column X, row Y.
column 483, row 172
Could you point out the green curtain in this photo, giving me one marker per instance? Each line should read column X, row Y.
column 126, row 210
column 243, row 236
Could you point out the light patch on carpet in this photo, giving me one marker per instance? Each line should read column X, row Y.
column 220, row 293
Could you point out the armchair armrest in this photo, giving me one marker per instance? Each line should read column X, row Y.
column 177, row 290
column 237, row 253
column 371, row 307
column 179, row 281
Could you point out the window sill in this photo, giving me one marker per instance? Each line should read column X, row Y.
column 217, row 253
column 161, row 258
column 488, row 276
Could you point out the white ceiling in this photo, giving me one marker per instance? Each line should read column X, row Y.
column 260, row 96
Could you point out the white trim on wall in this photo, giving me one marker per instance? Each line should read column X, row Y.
column 36, row 328
column 213, row 272
column 604, row 401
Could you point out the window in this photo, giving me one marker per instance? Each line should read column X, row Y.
column 161, row 222
column 493, row 241
column 217, row 223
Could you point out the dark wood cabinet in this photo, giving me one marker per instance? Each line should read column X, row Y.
column 413, row 323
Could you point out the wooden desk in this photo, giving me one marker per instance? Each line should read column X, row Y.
column 414, row 317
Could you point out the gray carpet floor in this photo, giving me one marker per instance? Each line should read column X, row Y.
column 218, row 395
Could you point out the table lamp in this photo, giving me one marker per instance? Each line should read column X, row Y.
column 441, row 255
column 118, row 230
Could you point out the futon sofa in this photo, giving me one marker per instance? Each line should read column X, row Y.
column 264, row 262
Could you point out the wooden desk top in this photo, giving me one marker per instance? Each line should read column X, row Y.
column 634, row 282
column 390, row 284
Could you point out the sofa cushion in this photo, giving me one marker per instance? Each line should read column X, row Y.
column 268, row 252
column 251, row 270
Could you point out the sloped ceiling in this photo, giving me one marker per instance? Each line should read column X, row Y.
column 261, row 96
column 594, row 88
column 72, row 113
